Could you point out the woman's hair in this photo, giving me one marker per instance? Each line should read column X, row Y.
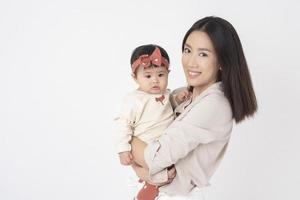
column 147, row 50
column 234, row 73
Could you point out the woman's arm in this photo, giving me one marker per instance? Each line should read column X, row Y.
column 141, row 168
column 208, row 121
column 143, row 174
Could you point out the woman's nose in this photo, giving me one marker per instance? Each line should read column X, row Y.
column 192, row 61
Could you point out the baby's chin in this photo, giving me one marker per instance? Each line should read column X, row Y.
column 156, row 91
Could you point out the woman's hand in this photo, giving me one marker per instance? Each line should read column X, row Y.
column 140, row 166
column 171, row 173
column 143, row 174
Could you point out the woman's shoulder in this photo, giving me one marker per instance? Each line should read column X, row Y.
column 214, row 108
column 213, row 95
column 213, row 104
column 217, row 102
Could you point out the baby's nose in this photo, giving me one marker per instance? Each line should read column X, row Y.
column 155, row 79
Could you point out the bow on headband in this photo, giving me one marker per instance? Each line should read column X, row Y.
column 146, row 61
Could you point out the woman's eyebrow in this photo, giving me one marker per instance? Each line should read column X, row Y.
column 199, row 49
column 189, row 46
column 204, row 49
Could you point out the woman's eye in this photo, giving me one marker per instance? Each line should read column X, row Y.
column 202, row 54
column 186, row 50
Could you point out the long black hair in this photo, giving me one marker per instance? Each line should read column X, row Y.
column 235, row 76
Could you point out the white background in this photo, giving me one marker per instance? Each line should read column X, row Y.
column 64, row 67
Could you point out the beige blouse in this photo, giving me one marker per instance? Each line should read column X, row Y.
column 195, row 142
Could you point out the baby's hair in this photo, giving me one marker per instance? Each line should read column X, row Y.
column 147, row 50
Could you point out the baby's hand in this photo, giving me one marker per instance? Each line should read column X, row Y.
column 182, row 96
column 126, row 158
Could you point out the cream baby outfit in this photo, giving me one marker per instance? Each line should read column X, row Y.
column 143, row 115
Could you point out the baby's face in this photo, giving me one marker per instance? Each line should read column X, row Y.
column 153, row 80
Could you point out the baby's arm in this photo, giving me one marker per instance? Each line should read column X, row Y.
column 125, row 123
column 125, row 158
column 178, row 96
column 181, row 96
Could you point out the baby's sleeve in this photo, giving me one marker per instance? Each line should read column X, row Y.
column 125, row 124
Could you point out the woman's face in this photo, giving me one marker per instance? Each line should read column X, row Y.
column 199, row 61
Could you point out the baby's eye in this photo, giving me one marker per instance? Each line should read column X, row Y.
column 202, row 54
column 161, row 75
column 186, row 50
column 148, row 76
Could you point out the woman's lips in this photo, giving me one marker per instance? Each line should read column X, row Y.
column 193, row 74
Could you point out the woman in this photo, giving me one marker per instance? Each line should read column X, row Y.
column 217, row 73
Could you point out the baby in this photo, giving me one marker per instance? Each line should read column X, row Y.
column 147, row 111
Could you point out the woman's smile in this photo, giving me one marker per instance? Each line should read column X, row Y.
column 193, row 74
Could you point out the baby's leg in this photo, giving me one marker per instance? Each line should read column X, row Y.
column 138, row 148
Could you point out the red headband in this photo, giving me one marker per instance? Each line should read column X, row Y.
column 146, row 61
